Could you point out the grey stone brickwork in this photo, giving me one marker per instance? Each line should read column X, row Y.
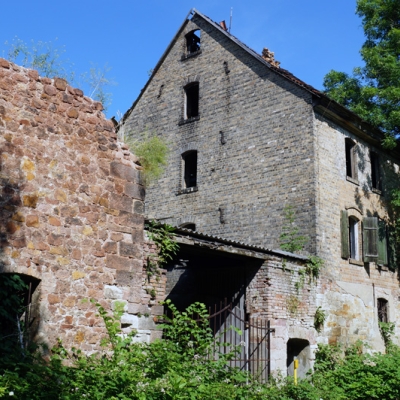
column 266, row 140
column 266, row 162
column 351, row 290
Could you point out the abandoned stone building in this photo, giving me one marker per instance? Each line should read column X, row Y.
column 247, row 139
column 73, row 229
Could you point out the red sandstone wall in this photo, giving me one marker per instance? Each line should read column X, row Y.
column 71, row 208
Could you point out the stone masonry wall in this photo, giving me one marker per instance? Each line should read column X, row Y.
column 350, row 289
column 266, row 160
column 274, row 296
column 71, row 210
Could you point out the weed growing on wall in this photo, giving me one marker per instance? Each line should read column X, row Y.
column 163, row 237
column 290, row 240
column 319, row 319
column 152, row 151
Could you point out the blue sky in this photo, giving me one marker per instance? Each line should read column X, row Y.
column 308, row 37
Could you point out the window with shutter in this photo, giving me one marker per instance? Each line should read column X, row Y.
column 370, row 236
column 391, row 247
column 354, row 242
column 382, row 243
column 344, row 231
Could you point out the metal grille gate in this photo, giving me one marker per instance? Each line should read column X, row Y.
column 231, row 325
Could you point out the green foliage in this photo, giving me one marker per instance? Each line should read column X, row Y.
column 179, row 367
column 311, row 270
column 152, row 151
column 387, row 331
column 42, row 56
column 373, row 91
column 163, row 236
column 319, row 319
column 292, row 304
column 98, row 81
column 290, row 240
column 49, row 62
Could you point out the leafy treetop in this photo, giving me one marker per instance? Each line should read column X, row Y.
column 373, row 90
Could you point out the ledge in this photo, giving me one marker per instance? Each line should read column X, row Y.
column 352, row 180
column 187, row 190
column 356, row 262
column 188, row 120
column 377, row 191
column 190, row 55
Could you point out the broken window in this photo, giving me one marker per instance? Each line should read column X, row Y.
column 189, row 226
column 382, row 305
column 351, row 159
column 190, row 169
column 375, row 171
column 192, row 100
column 193, row 42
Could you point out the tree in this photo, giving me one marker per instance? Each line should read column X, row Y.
column 373, row 91
column 48, row 61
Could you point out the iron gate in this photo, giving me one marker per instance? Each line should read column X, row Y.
column 231, row 325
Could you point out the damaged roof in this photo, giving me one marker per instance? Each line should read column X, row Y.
column 217, row 242
column 321, row 102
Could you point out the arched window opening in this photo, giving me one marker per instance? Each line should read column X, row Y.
column 190, row 169
column 351, row 159
column 382, row 305
column 354, row 238
column 192, row 100
column 189, row 226
column 193, row 41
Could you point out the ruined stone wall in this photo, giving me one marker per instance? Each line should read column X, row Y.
column 351, row 288
column 71, row 210
column 254, row 138
column 278, row 293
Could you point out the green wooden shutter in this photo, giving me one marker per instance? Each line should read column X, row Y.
column 392, row 259
column 344, row 232
column 370, row 236
column 382, row 244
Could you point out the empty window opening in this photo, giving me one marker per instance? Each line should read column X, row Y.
column 193, row 42
column 189, row 226
column 351, row 159
column 354, row 238
column 18, row 325
column 375, row 171
column 190, row 169
column 382, row 305
column 192, row 100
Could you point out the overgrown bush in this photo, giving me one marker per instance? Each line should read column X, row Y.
column 179, row 367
